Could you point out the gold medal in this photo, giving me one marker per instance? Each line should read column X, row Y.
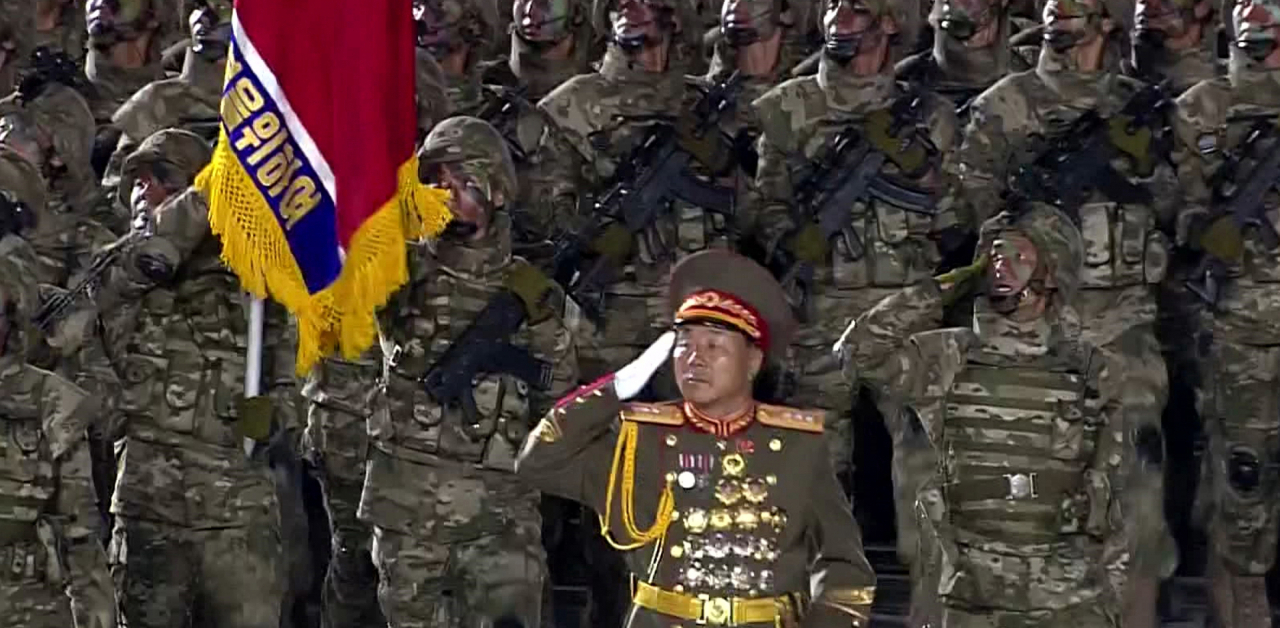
column 733, row 465
column 721, row 519
column 728, row 492
column 755, row 490
column 746, row 518
column 695, row 520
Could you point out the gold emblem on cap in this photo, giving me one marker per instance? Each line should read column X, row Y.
column 733, row 465
column 775, row 444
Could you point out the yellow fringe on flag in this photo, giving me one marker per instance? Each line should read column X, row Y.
column 342, row 315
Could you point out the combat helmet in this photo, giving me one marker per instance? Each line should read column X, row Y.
column 1058, row 242
column 175, row 155
column 477, row 148
column 65, row 122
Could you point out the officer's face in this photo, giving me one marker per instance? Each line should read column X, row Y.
column 542, row 21
column 712, row 363
column 1013, row 264
column 1257, row 29
column 747, row 21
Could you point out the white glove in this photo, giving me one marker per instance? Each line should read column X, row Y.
column 630, row 379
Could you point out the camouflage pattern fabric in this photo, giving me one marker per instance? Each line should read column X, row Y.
column 166, row 574
column 799, row 119
column 597, row 120
column 961, row 69
column 17, row 27
column 438, row 481
column 1238, row 400
column 1016, row 557
column 49, row 526
column 336, row 440
column 60, row 26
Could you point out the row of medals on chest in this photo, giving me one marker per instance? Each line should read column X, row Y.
column 734, row 527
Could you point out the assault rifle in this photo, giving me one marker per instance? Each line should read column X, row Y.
column 503, row 111
column 1078, row 161
column 1243, row 202
column 850, row 171
column 485, row 347
column 654, row 175
column 56, row 306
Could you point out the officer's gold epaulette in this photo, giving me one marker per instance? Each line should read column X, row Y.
column 791, row 418
column 660, row 413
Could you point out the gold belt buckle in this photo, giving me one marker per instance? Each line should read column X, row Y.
column 716, row 611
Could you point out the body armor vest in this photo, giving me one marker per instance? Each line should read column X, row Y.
column 1018, row 440
column 423, row 321
column 27, row 487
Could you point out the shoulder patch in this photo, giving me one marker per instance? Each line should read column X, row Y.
column 791, row 418
column 659, row 413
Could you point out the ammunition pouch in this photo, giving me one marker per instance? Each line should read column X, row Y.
column 24, row 561
column 1122, row 246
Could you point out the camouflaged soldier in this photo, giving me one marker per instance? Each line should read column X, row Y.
column 126, row 38
column 1024, row 509
column 60, row 26
column 551, row 42
column 874, row 245
column 970, row 49
column 459, row 34
column 600, row 123
column 188, row 101
column 197, row 526
column 49, row 541
column 17, row 26
column 1225, row 128
column 1174, row 40
column 50, row 124
column 1036, row 135
column 727, row 509
column 474, row 349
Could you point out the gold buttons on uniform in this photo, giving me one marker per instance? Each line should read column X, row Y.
column 771, row 479
column 677, row 551
column 671, row 440
column 775, row 444
column 671, row 476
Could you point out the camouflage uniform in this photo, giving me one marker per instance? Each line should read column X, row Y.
column 800, row 119
column 197, row 527
column 597, row 120
column 446, row 25
column 519, row 81
column 49, row 528
column 60, row 26
column 17, row 25
column 1126, row 253
column 456, row 537
column 1240, row 362
column 80, row 219
column 954, row 69
column 188, row 101
column 1024, row 514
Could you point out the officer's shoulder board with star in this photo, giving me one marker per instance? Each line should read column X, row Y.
column 671, row 413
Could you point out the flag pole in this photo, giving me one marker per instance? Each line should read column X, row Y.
column 253, row 360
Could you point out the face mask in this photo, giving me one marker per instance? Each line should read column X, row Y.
column 745, row 22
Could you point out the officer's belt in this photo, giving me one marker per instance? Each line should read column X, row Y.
column 1016, row 485
column 715, row 611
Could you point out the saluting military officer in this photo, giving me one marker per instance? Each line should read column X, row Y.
column 726, row 508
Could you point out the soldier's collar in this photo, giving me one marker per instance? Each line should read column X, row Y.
column 965, row 67
column 536, row 73
column 617, row 66
column 1252, row 86
column 479, row 258
column 850, row 93
column 722, row 427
